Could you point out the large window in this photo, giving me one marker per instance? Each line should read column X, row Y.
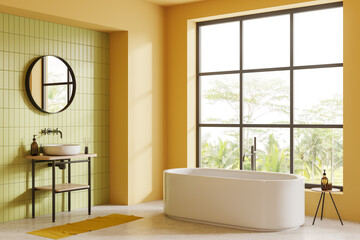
column 270, row 93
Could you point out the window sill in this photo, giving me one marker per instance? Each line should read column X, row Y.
column 308, row 190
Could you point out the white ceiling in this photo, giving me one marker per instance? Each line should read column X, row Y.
column 172, row 2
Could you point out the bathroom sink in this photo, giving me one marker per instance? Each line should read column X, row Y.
column 61, row 149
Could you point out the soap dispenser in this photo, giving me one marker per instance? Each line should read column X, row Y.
column 324, row 182
column 34, row 147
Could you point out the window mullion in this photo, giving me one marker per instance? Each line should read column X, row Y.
column 241, row 96
column 291, row 93
column 198, row 104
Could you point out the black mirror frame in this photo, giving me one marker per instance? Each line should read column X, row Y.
column 27, row 84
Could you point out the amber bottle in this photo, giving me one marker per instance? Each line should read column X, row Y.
column 324, row 182
column 34, row 147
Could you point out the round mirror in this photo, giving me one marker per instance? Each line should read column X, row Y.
column 50, row 84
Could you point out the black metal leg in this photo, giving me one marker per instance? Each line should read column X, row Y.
column 53, row 191
column 317, row 207
column 322, row 208
column 69, row 181
column 33, row 188
column 89, row 182
column 336, row 208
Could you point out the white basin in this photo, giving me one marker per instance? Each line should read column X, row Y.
column 61, row 149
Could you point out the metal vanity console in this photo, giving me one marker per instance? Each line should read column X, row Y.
column 68, row 187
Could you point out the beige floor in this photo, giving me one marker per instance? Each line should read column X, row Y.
column 155, row 225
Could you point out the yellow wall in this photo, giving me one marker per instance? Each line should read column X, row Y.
column 21, row 41
column 181, row 81
column 119, row 184
column 143, row 23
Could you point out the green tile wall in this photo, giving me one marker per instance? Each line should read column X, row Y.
column 22, row 40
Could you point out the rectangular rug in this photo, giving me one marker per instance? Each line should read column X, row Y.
column 88, row 225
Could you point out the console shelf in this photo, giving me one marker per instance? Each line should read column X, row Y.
column 54, row 161
column 52, row 158
column 64, row 187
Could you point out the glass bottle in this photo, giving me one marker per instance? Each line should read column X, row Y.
column 324, row 182
column 34, row 147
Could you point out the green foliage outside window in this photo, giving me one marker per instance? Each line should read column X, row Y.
column 315, row 149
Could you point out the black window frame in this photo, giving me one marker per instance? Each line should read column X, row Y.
column 291, row 126
column 45, row 84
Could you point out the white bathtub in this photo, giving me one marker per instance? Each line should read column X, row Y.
column 241, row 199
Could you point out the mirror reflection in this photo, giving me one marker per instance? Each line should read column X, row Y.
column 50, row 84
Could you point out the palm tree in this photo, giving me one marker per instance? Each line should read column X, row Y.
column 310, row 154
column 224, row 154
column 273, row 159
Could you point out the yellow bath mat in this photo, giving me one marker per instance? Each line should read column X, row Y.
column 97, row 223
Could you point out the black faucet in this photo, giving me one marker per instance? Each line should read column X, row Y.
column 253, row 156
column 49, row 131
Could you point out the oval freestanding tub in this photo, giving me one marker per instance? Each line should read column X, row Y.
column 259, row 201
